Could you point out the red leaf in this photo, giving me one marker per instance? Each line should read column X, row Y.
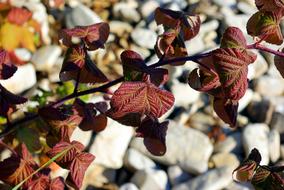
column 232, row 67
column 141, row 97
column 19, row 16
column 169, row 45
column 94, row 36
column 129, row 119
column 266, row 25
column 269, row 5
column 233, row 37
column 154, row 134
column 190, row 24
column 8, row 101
column 57, row 184
column 41, row 183
column 77, row 60
column 206, row 79
column 279, row 63
column 17, row 167
column 227, row 110
column 78, row 168
column 7, row 68
column 90, row 121
column 74, row 148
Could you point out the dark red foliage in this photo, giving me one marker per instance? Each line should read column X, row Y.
column 93, row 36
column 7, row 68
column 8, row 101
column 154, row 134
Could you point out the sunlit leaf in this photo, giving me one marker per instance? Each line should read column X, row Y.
column 141, row 97
column 233, row 37
column 232, row 67
column 266, row 25
column 227, row 110
column 269, row 5
column 78, row 168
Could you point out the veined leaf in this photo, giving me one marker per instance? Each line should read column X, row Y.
column 141, row 97
column 233, row 37
column 269, row 5
column 227, row 110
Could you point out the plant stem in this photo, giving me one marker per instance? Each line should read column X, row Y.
column 13, row 126
column 266, row 49
column 7, row 147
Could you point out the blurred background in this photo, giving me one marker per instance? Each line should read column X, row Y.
column 202, row 151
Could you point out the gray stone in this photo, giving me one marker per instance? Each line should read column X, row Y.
column 225, row 159
column 227, row 3
column 232, row 143
column 81, row 16
column 120, row 28
column 265, row 86
column 260, row 111
column 246, row 8
column 193, row 158
column 240, row 186
column 258, row 68
column 111, row 144
column 150, row 179
column 83, row 137
column 126, row 12
column 128, row 186
column 184, row 95
column 144, row 37
column 277, row 122
column 215, row 179
column 177, row 175
column 148, row 8
column 245, row 100
column 201, row 121
column 256, row 136
column 134, row 160
column 195, row 45
column 46, row 57
column 274, row 145
column 23, row 79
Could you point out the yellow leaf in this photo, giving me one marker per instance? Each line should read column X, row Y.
column 10, row 36
column 27, row 39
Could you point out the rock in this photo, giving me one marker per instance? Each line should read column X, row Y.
column 256, row 136
column 148, row 8
column 282, row 151
column 144, row 37
column 177, row 175
column 46, row 57
column 225, row 159
column 274, row 145
column 240, row 186
column 23, row 79
column 232, row 19
column 258, row 68
column 97, row 175
column 228, row 3
column 245, row 100
column 184, row 95
column 265, row 86
column 53, row 74
column 150, row 179
column 201, row 121
column 277, row 122
column 81, row 16
column 195, row 45
column 134, row 160
column 215, row 179
column 232, row 143
column 193, row 159
column 125, row 12
column 260, row 111
column 246, row 8
column 83, row 137
column 23, row 54
column 120, row 28
column 128, row 186
column 111, row 144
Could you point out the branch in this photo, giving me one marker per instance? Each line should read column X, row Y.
column 266, row 49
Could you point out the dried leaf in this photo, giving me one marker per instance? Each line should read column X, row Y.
column 141, row 97
column 19, row 15
column 93, row 36
column 7, row 68
column 232, row 67
column 154, row 134
column 78, row 168
column 266, row 25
